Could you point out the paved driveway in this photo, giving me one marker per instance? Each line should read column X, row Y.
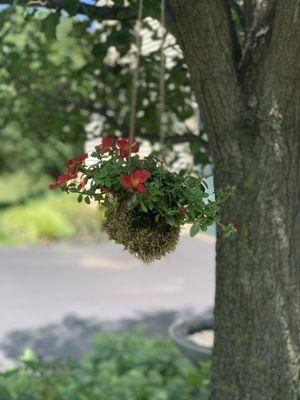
column 54, row 298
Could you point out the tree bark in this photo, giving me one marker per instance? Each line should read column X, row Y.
column 251, row 110
column 256, row 354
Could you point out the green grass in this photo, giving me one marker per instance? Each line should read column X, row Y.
column 53, row 217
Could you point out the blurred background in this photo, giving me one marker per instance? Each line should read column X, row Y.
column 64, row 83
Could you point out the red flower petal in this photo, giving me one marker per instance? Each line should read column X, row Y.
column 123, row 152
column 141, row 188
column 61, row 180
column 79, row 160
column 125, row 144
column 72, row 166
column 146, row 175
column 122, row 142
column 107, row 143
column 135, row 149
column 53, row 186
column 69, row 176
column 126, row 181
column 141, row 175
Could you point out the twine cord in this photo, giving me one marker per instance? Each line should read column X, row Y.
column 162, row 88
column 135, row 76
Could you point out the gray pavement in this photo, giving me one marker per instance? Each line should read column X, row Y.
column 54, row 298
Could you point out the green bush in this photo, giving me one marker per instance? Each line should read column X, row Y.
column 19, row 186
column 119, row 367
column 53, row 217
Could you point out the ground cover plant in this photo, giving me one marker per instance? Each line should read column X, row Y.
column 119, row 367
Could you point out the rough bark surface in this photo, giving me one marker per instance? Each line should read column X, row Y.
column 251, row 109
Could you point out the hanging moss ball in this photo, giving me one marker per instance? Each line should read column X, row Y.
column 140, row 234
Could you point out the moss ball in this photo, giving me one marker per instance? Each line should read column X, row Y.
column 140, row 234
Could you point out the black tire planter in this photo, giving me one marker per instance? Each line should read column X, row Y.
column 180, row 331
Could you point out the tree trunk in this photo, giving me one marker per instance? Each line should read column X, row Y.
column 257, row 319
column 250, row 105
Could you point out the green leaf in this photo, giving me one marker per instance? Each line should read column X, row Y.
column 195, row 228
column 4, row 395
column 71, row 6
column 87, row 200
column 5, row 15
column 143, row 207
column 171, row 220
column 49, row 25
column 79, row 198
column 28, row 356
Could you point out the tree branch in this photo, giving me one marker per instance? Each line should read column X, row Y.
column 257, row 12
column 92, row 11
column 258, row 17
column 281, row 60
column 204, row 33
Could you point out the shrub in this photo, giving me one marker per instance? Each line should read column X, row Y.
column 119, row 367
column 20, row 186
column 54, row 217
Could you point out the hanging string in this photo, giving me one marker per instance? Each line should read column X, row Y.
column 135, row 76
column 162, row 88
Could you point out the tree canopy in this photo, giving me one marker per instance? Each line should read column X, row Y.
column 66, row 77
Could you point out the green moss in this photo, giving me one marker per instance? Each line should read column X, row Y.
column 140, row 234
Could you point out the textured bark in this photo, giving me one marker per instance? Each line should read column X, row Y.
column 251, row 109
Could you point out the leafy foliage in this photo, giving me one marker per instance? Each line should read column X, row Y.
column 63, row 77
column 40, row 84
column 16, row 188
column 51, row 218
column 146, row 186
column 120, row 366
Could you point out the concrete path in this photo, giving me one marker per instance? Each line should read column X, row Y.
column 53, row 298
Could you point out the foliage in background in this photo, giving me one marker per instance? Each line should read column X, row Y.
column 60, row 74
column 16, row 188
column 40, row 84
column 119, row 367
column 51, row 218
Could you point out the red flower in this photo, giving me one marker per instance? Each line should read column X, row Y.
column 62, row 180
column 136, row 180
column 125, row 145
column 73, row 164
column 107, row 143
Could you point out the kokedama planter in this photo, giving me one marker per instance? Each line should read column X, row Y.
column 140, row 234
column 145, row 203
